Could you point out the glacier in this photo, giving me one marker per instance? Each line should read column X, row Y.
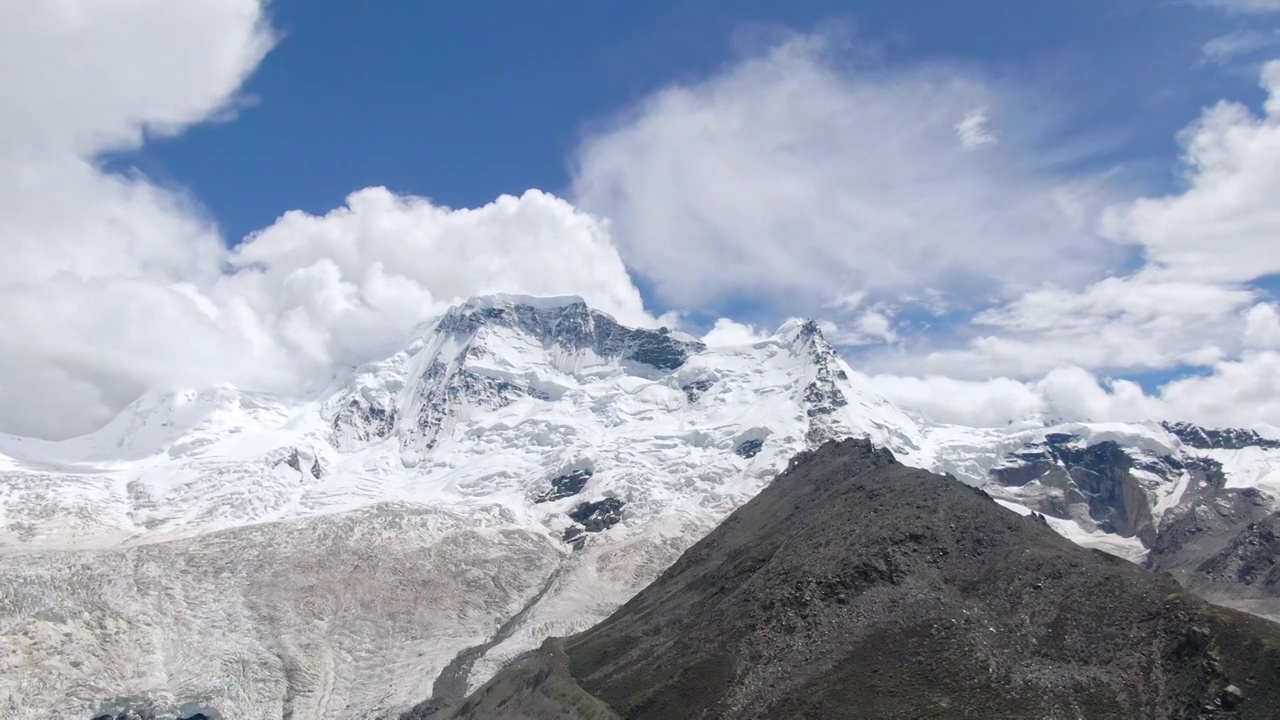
column 518, row 469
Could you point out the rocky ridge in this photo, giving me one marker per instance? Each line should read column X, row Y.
column 856, row 587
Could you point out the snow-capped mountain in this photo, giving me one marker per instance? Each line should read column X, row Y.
column 496, row 397
column 519, row 469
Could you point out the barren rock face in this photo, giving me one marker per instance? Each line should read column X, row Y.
column 855, row 587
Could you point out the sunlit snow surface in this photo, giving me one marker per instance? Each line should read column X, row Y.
column 329, row 557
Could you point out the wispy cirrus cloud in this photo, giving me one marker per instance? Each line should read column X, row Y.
column 1239, row 44
column 973, row 131
column 1244, row 6
column 798, row 177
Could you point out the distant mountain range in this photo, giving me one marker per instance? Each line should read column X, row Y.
column 518, row 470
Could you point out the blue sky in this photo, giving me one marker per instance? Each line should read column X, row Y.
column 997, row 208
column 461, row 102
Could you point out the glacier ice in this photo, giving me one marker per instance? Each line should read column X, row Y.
column 329, row 556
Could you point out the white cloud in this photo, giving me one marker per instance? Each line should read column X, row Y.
column 1064, row 394
column 973, row 131
column 87, row 75
column 980, row 403
column 360, row 277
column 873, row 326
column 80, row 78
column 112, row 284
column 848, row 302
column 727, row 333
column 1190, row 304
column 1262, row 327
column 876, row 324
column 790, row 175
column 1240, row 392
column 788, row 178
column 1225, row 48
column 1072, row 393
column 308, row 295
column 1244, row 6
column 1133, row 323
column 1223, row 227
column 1242, row 389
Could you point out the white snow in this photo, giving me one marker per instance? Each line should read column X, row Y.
column 1249, row 467
column 1128, row 548
column 416, row 473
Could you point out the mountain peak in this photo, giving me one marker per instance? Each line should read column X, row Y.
column 805, row 334
column 853, row 581
column 512, row 300
column 569, row 323
column 532, row 440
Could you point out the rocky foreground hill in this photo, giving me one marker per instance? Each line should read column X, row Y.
column 856, row 587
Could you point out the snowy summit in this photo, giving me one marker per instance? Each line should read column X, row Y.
column 517, row 471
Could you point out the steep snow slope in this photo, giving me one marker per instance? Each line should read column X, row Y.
column 518, row 469
column 499, row 396
column 206, row 506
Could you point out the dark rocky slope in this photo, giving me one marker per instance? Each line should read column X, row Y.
column 1225, row 547
column 855, row 587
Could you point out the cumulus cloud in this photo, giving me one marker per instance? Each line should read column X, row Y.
column 1064, row 394
column 1262, row 327
column 727, row 333
column 1222, row 228
column 798, row 178
column 792, row 175
column 876, row 324
column 356, row 280
column 80, row 78
column 112, row 285
column 1240, row 390
column 1193, row 303
column 1072, row 393
column 1244, row 391
column 92, row 75
column 871, row 326
column 789, row 177
column 976, row 403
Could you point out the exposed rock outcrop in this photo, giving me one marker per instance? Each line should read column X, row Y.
column 1226, row 547
column 598, row 516
column 855, row 587
column 566, row 485
column 1094, row 483
column 1219, row 438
